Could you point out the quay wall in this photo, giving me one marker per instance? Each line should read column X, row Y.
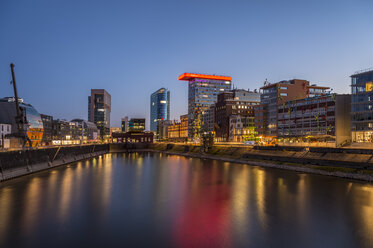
column 22, row 162
column 359, row 159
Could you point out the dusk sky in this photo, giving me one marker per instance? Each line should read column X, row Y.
column 62, row 49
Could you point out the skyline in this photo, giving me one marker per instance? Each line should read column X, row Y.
column 63, row 50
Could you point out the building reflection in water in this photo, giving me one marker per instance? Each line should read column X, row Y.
column 185, row 202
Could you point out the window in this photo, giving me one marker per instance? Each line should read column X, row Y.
column 283, row 94
column 283, row 88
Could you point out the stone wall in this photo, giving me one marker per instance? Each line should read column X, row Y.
column 23, row 162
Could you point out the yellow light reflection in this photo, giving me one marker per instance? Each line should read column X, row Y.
column 31, row 204
column 5, row 210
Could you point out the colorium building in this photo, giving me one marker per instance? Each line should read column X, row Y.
column 203, row 91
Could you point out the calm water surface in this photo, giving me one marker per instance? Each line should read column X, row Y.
column 154, row 200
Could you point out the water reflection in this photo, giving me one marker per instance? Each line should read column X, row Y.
column 149, row 200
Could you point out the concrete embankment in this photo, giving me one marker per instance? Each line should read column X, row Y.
column 23, row 162
column 346, row 163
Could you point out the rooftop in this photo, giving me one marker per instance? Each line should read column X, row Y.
column 190, row 76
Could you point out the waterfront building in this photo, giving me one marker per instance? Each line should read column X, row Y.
column 202, row 94
column 86, row 131
column 162, row 129
column 133, row 137
column 115, row 130
column 274, row 95
column 315, row 121
column 5, row 129
column 208, row 119
column 159, row 108
column 234, row 115
column 34, row 124
column 178, row 130
column 136, row 125
column 47, row 129
column 99, row 108
column 362, row 106
column 124, row 123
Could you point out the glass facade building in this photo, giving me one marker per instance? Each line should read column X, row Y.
column 202, row 94
column 159, row 107
column 34, row 123
column 362, row 106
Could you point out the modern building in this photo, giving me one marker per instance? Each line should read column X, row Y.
column 162, row 130
column 99, row 108
column 234, row 115
column 362, row 106
column 274, row 95
column 5, row 129
column 178, row 130
column 124, row 124
column 315, row 121
column 133, row 137
column 48, row 129
column 208, row 119
column 202, row 93
column 136, row 125
column 34, row 124
column 159, row 107
column 62, row 131
column 87, row 131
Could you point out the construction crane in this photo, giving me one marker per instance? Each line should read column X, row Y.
column 20, row 118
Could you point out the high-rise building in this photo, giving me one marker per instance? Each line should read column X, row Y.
column 159, row 107
column 273, row 95
column 99, row 108
column 362, row 106
column 234, row 115
column 202, row 94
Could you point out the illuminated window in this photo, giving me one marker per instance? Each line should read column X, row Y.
column 369, row 86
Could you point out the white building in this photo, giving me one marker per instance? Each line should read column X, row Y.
column 4, row 130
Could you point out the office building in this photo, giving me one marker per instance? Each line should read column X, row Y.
column 86, row 131
column 274, row 95
column 159, row 107
column 362, row 106
column 202, row 94
column 234, row 115
column 99, row 108
column 136, row 125
column 315, row 121
column 48, row 129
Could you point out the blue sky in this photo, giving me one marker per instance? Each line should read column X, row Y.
column 62, row 49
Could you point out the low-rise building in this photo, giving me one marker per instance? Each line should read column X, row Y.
column 315, row 121
column 136, row 125
column 4, row 130
column 133, row 137
column 178, row 130
column 273, row 96
column 48, row 129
